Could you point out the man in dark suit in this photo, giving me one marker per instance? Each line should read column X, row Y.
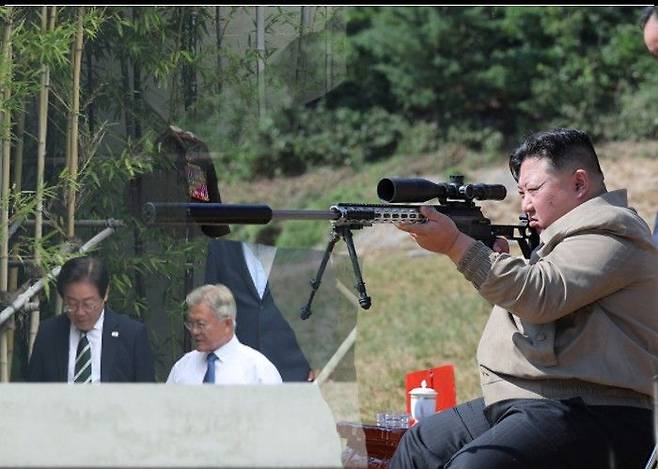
column 260, row 324
column 90, row 343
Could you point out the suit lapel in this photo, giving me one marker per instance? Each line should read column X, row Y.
column 62, row 348
column 108, row 349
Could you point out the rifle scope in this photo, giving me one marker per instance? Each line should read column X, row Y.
column 421, row 190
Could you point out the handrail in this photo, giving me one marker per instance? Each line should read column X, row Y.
column 13, row 228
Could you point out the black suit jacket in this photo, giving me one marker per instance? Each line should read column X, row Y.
column 259, row 322
column 125, row 356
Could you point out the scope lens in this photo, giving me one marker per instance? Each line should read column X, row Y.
column 385, row 189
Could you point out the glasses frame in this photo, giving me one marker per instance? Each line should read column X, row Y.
column 202, row 326
column 87, row 305
column 191, row 326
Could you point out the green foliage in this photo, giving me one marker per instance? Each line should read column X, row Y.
column 421, row 137
column 513, row 69
column 637, row 116
column 296, row 139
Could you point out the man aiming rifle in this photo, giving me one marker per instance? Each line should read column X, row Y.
column 568, row 352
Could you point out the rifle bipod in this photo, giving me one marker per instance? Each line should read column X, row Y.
column 337, row 232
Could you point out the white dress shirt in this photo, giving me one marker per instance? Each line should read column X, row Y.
column 237, row 364
column 259, row 259
column 95, row 338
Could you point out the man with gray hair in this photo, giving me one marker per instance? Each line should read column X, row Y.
column 219, row 357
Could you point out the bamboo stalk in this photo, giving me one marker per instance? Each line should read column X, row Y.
column 75, row 109
column 35, row 316
column 18, row 152
column 41, row 148
column 5, row 80
column 6, row 150
column 16, row 180
column 53, row 15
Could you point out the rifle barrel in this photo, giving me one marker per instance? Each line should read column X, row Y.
column 298, row 214
column 214, row 213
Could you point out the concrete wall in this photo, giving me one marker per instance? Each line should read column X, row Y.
column 157, row 425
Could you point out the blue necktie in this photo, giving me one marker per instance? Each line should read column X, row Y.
column 210, row 371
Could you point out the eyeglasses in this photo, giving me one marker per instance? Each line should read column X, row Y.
column 86, row 305
column 191, row 326
column 201, row 325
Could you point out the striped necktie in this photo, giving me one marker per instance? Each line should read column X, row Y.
column 210, row 371
column 82, row 372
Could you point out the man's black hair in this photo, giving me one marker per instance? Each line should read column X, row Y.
column 560, row 146
column 84, row 269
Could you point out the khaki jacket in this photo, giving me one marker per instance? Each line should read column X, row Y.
column 580, row 319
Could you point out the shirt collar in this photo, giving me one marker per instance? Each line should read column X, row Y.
column 226, row 351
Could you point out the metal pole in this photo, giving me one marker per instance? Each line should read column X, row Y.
column 78, row 223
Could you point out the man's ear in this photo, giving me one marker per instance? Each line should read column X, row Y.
column 581, row 183
column 107, row 294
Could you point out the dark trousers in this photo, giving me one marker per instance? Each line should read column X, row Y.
column 529, row 433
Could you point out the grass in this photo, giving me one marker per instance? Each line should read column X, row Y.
column 424, row 314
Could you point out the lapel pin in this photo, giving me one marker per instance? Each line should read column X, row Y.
column 115, row 333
